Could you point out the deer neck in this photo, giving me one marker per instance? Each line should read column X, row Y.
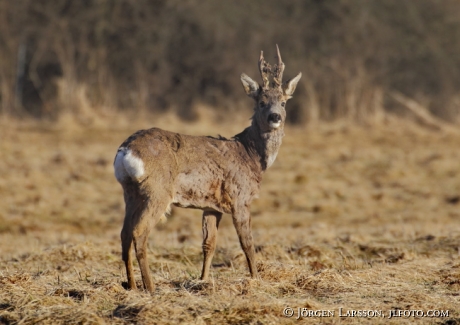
column 262, row 146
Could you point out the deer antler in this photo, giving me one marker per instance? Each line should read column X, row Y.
column 265, row 70
column 278, row 69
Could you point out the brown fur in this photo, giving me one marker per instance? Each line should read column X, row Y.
column 216, row 175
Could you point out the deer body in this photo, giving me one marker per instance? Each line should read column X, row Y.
column 195, row 172
column 157, row 168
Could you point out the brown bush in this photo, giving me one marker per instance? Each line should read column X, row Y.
column 84, row 56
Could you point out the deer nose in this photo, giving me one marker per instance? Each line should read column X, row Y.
column 274, row 117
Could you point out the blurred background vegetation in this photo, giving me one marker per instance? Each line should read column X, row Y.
column 359, row 58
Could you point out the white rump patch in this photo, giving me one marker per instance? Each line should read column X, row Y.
column 128, row 165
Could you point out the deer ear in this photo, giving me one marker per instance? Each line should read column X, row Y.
column 251, row 87
column 290, row 85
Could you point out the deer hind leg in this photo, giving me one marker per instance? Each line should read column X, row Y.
column 126, row 243
column 211, row 220
column 141, row 216
column 141, row 236
column 134, row 211
column 242, row 223
column 148, row 218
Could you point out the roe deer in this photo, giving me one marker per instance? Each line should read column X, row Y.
column 157, row 168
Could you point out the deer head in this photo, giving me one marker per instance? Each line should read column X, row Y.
column 269, row 111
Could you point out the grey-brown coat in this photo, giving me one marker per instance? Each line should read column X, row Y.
column 157, row 168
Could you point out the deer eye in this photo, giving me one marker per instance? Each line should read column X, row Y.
column 283, row 104
column 262, row 104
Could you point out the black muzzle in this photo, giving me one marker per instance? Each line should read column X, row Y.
column 274, row 117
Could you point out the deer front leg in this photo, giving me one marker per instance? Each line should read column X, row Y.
column 242, row 223
column 211, row 221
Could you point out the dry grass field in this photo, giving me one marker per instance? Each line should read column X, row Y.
column 354, row 217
